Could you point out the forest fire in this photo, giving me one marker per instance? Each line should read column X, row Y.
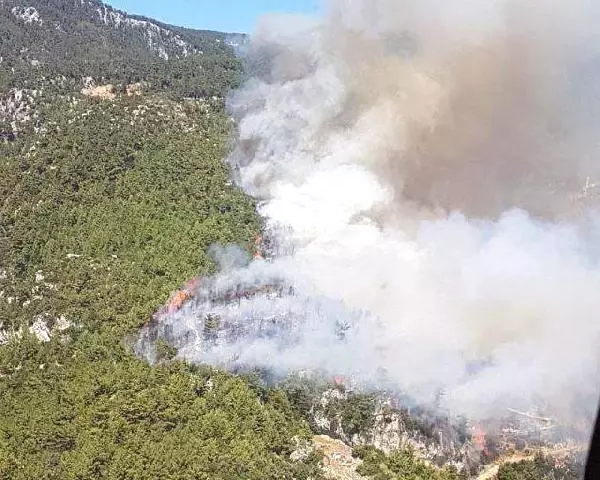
column 226, row 321
column 187, row 293
column 180, row 297
column 258, row 254
column 480, row 440
column 423, row 196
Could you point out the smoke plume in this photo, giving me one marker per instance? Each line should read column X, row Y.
column 432, row 167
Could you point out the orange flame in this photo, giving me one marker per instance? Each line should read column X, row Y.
column 479, row 439
column 181, row 296
column 257, row 247
column 177, row 301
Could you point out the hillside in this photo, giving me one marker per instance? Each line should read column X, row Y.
column 113, row 188
column 78, row 39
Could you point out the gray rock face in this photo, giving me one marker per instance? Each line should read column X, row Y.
column 163, row 40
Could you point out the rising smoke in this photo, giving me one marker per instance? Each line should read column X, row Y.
column 433, row 163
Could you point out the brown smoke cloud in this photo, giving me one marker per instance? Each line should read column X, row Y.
column 476, row 104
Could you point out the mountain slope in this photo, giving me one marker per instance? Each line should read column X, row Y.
column 112, row 189
column 110, row 197
column 81, row 38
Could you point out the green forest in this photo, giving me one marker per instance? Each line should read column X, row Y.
column 107, row 206
column 114, row 211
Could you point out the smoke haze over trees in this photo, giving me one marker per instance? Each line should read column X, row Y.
column 436, row 167
column 426, row 174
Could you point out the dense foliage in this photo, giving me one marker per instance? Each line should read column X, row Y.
column 108, row 204
column 399, row 465
column 101, row 220
column 541, row 468
column 76, row 39
column 116, row 208
column 89, row 410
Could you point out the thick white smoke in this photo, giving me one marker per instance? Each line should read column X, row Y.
column 434, row 163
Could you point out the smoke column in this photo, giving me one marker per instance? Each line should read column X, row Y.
column 433, row 164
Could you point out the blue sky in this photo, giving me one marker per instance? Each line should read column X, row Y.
column 223, row 15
